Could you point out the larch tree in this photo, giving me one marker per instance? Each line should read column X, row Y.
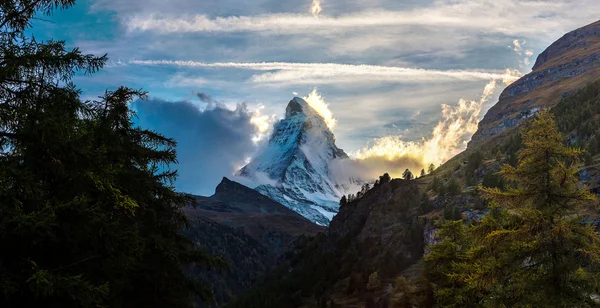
column 536, row 252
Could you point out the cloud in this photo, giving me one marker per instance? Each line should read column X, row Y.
column 327, row 73
column 519, row 50
column 315, row 8
column 510, row 17
column 211, row 143
column 205, row 97
column 316, row 101
column 449, row 137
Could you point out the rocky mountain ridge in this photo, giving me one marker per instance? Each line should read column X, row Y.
column 569, row 64
column 245, row 228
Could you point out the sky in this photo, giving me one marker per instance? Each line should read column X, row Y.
column 395, row 78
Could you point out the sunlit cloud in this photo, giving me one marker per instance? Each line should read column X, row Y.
column 449, row 137
column 327, row 73
column 262, row 123
column 315, row 8
column 316, row 101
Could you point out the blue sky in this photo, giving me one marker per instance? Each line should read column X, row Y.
column 422, row 54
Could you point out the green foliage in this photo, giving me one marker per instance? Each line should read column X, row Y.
column 402, row 295
column 422, row 173
column 511, row 148
column 474, row 161
column 446, row 267
column 545, row 245
column 431, row 168
column 452, row 213
column 575, row 112
column 453, row 187
column 492, row 180
column 374, row 281
column 88, row 214
column 531, row 250
column 425, row 206
column 575, row 117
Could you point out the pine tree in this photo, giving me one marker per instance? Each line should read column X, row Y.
column 384, row 179
column 446, row 267
column 402, row 295
column 539, row 254
column 422, row 173
column 453, row 187
column 88, row 214
column 407, row 175
column 431, row 168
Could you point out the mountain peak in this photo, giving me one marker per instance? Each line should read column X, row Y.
column 247, row 200
column 296, row 163
column 227, row 186
column 295, row 106
column 298, row 106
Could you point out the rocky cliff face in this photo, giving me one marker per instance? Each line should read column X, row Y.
column 566, row 66
column 294, row 169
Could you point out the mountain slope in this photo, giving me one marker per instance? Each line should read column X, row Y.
column 566, row 66
column 379, row 232
column 247, row 229
column 296, row 164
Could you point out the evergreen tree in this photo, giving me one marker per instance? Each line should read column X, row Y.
column 422, row 173
column 539, row 255
column 425, row 206
column 407, row 175
column 453, row 187
column 384, row 179
column 402, row 294
column 343, row 201
column 446, row 267
column 431, row 168
column 88, row 216
column 492, row 180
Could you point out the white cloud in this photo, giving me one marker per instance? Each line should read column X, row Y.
column 321, row 73
column 316, row 8
column 393, row 154
column 316, row 101
column 518, row 48
column 510, row 17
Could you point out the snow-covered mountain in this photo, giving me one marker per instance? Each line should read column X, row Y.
column 295, row 167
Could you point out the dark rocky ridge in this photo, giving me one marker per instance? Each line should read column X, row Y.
column 380, row 232
column 567, row 65
column 247, row 229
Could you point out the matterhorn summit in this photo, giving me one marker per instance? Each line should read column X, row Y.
column 295, row 168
